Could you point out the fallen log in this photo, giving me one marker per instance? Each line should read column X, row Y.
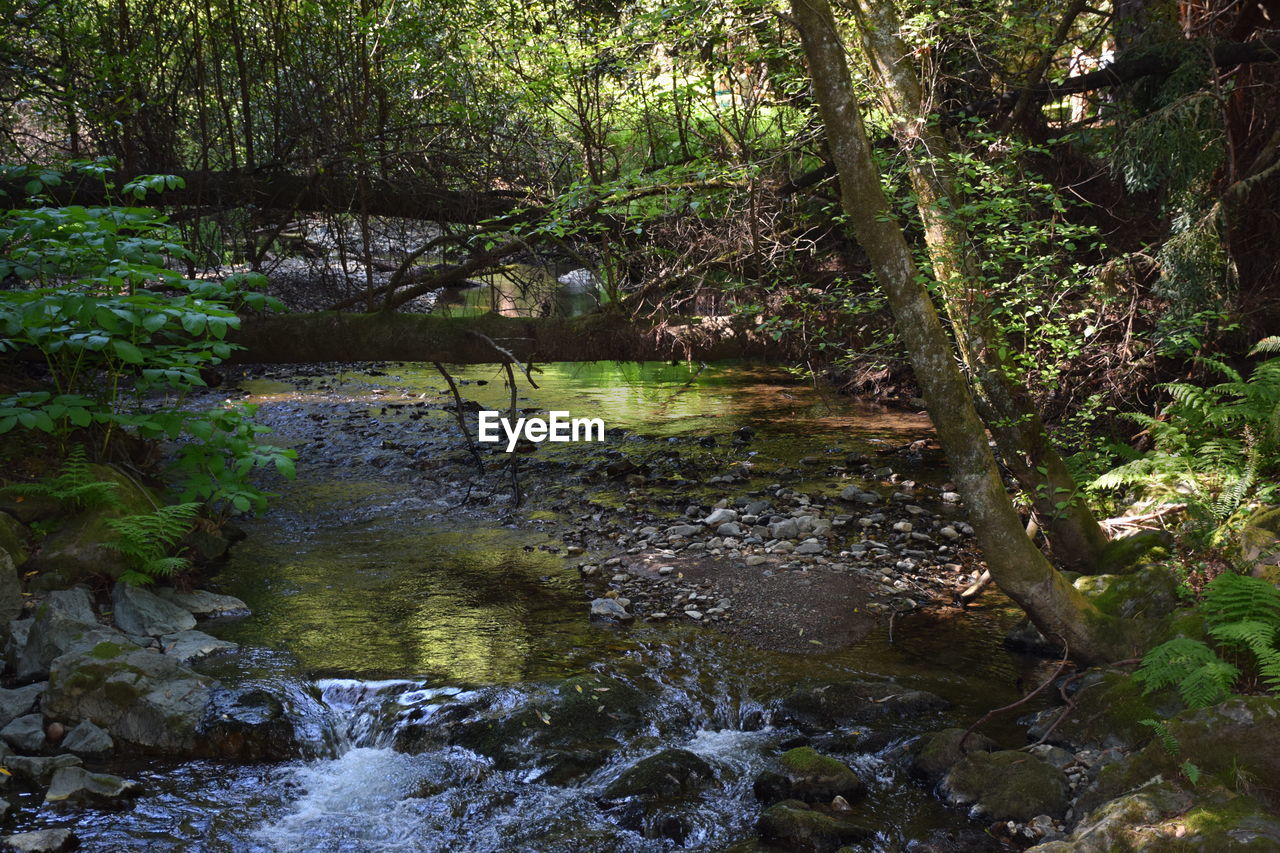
column 389, row 336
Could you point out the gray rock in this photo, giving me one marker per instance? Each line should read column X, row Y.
column 785, row 529
column 729, row 528
column 809, row 548
column 608, row 608
column 204, row 604
column 139, row 696
column 43, row 841
column 720, row 516
column 75, row 786
column 88, row 740
column 53, row 633
column 25, row 734
column 140, row 611
column 188, row 646
column 809, row 776
column 19, row 630
column 39, row 770
column 10, row 589
column 75, row 602
column 683, row 530
column 19, row 701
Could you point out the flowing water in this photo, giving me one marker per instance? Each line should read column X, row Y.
column 390, row 615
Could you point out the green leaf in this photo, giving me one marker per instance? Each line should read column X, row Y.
column 127, row 352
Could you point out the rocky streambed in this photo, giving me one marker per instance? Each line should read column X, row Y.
column 728, row 626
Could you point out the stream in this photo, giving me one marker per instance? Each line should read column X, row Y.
column 388, row 609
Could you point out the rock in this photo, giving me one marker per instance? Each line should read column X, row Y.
column 1147, row 592
column 204, row 604
column 188, row 646
column 744, row 433
column 795, row 826
column 1121, row 555
column 666, row 774
column 42, row 841
column 250, row 723
column 1008, row 785
column 809, row 776
column 1259, row 543
column 940, row 751
column 647, row 796
column 720, row 516
column 10, row 591
column 949, row 532
column 39, row 770
column 683, row 530
column 809, row 548
column 88, row 741
column 140, row 697
column 1108, row 711
column 729, row 528
column 25, row 734
column 75, row 786
column 55, row 631
column 76, row 602
column 19, row 701
column 843, row 703
column 785, row 529
column 570, row 727
column 140, row 611
column 13, row 539
column 609, row 608
column 79, row 550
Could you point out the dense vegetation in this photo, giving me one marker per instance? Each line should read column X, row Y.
column 1086, row 195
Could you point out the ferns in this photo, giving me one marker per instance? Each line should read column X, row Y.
column 145, row 540
column 1243, row 614
column 75, row 486
column 1214, row 446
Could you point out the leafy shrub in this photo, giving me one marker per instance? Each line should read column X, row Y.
column 1243, row 615
column 114, row 324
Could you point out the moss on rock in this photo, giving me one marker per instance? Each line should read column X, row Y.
column 1008, row 785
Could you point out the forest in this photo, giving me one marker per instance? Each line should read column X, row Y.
column 934, row 349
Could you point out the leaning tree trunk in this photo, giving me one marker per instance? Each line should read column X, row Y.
column 1074, row 533
column 1018, row 567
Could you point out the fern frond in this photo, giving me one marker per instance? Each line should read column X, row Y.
column 75, row 486
column 1258, row 637
column 145, row 539
column 1231, row 597
column 1171, row 662
column 1267, row 344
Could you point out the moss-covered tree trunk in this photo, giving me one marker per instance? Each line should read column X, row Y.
column 1017, row 566
column 1074, row 533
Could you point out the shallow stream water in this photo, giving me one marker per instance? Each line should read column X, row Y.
column 377, row 601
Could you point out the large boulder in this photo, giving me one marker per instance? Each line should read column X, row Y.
column 1008, row 785
column 1107, row 711
column 250, row 723
column 938, row 752
column 1161, row 815
column 650, row 796
column 142, row 613
column 807, row 775
column 25, row 734
column 63, row 622
column 796, row 826
column 570, row 727
column 852, row 703
column 139, row 696
column 1235, row 743
column 1149, row 591
column 189, row 646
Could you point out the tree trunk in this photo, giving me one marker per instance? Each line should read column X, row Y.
column 1024, row 446
column 1018, row 567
